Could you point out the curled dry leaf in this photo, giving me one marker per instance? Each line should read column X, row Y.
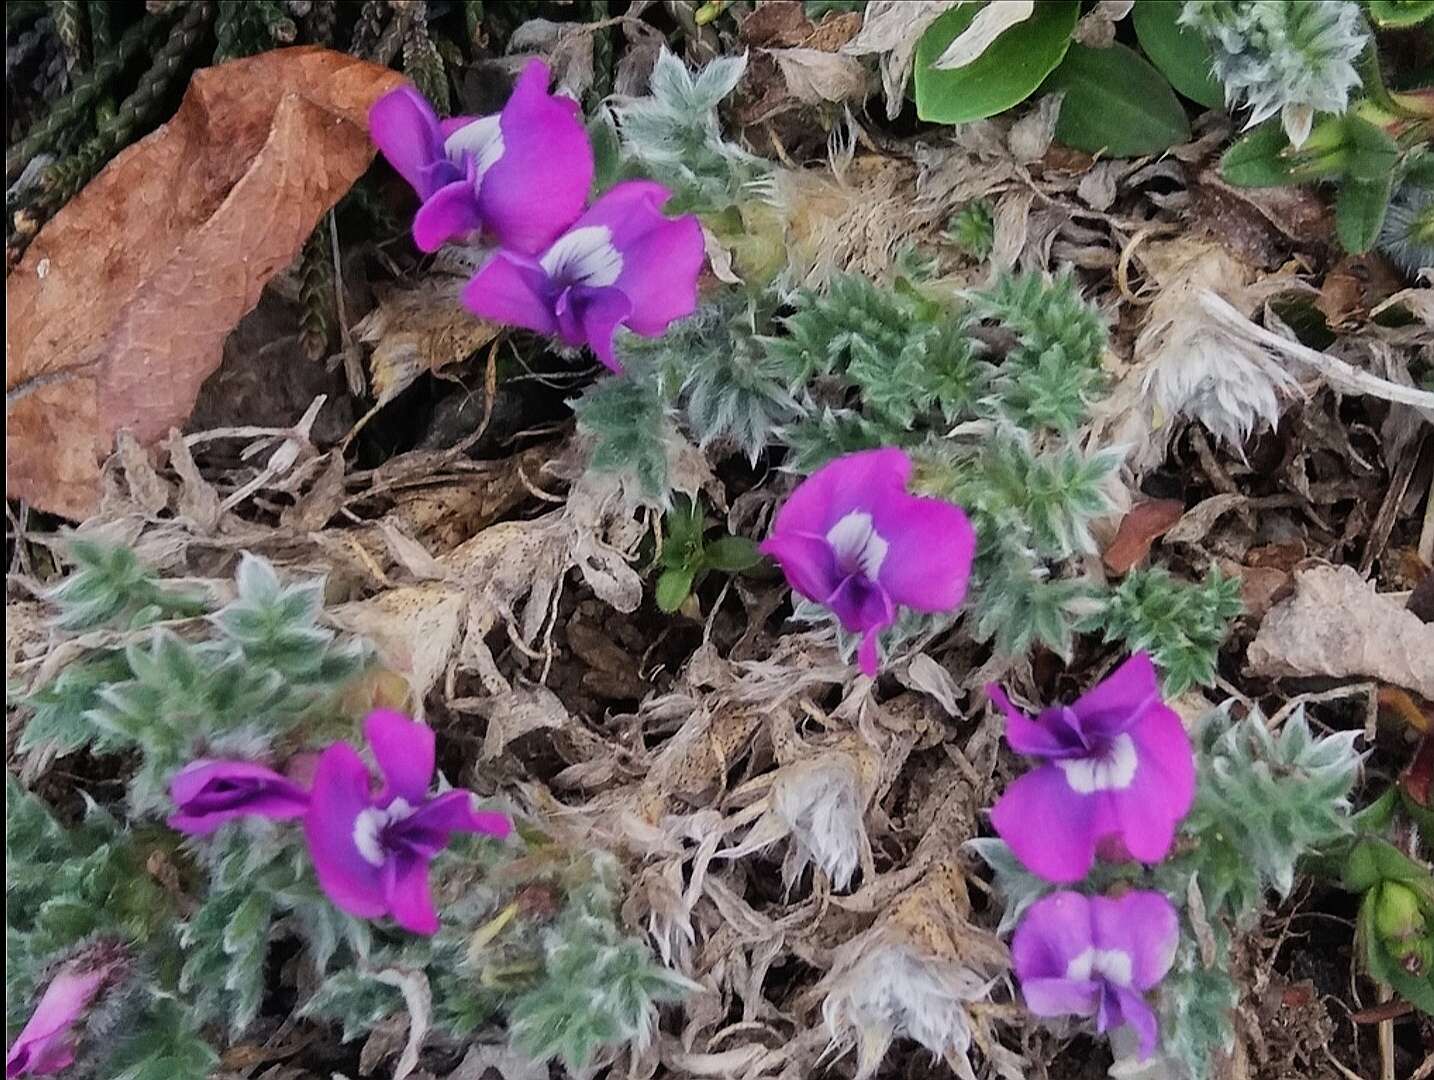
column 1142, row 525
column 1336, row 624
column 892, row 28
column 816, row 77
column 119, row 309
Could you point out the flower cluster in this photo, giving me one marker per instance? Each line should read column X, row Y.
column 370, row 848
column 851, row 537
column 520, row 180
column 1117, row 775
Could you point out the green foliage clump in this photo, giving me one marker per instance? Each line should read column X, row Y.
column 627, row 419
column 110, row 587
column 973, row 229
column 1180, row 624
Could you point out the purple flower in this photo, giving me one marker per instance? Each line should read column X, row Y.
column 209, row 793
column 1120, row 775
column 852, row 538
column 371, row 851
column 521, row 175
column 621, row 264
column 46, row 1045
column 1096, row 957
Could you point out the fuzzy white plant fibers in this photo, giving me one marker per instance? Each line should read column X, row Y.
column 822, row 802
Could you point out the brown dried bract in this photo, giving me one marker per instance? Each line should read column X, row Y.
column 119, row 309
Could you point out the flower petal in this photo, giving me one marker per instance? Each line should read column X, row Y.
column 851, row 482
column 450, row 211
column 931, row 545
column 210, row 793
column 1143, row 925
column 536, row 189
column 1117, row 701
column 1051, row 828
column 512, row 293
column 407, row 893
column 45, row 1044
column 1147, row 812
column 1053, row 931
column 1027, row 736
column 1061, row 997
column 405, row 129
column 1135, row 1012
column 807, row 561
column 404, row 750
column 602, row 311
column 340, row 793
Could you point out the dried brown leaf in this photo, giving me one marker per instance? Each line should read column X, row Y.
column 1142, row 525
column 815, row 77
column 1337, row 625
column 119, row 308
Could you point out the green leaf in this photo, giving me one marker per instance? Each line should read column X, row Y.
column 1116, row 103
column 1398, row 14
column 1372, row 153
column 1359, row 212
column 673, row 587
column 731, row 554
column 1004, row 75
column 1257, row 159
column 1181, row 53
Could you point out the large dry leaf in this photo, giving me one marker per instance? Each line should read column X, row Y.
column 119, row 309
column 815, row 77
column 1336, row 624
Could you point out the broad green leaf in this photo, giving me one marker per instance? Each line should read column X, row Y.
column 1397, row 14
column 1359, row 212
column 1116, row 103
column 673, row 586
column 1257, row 159
column 1181, row 53
column 731, row 554
column 1004, row 75
column 1372, row 153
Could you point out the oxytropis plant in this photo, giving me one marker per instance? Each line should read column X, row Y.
column 253, row 819
column 1132, row 857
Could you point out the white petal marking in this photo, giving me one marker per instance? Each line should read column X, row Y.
column 584, row 257
column 483, row 139
column 1113, row 771
column 1113, row 965
column 369, row 826
column 856, row 542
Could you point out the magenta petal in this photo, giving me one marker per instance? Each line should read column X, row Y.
column 408, row 896
column 1147, row 812
column 340, row 793
column 1053, row 931
column 450, row 211
column 603, row 311
column 210, row 793
column 1118, row 700
column 836, row 489
column 931, row 545
column 1144, row 926
column 807, row 561
column 537, row 188
column 1024, row 735
column 45, row 1045
column 405, row 752
column 490, row 823
column 1052, row 829
column 868, row 653
column 405, row 130
column 455, row 124
column 1061, row 997
column 507, row 292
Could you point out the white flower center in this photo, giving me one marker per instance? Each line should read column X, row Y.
column 584, row 257
column 482, row 138
column 1112, row 771
column 1113, row 965
column 857, row 543
column 369, row 826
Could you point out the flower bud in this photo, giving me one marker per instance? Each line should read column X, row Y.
column 1399, row 922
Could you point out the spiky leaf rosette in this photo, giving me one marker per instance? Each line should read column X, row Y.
column 1197, row 1008
column 973, row 229
column 676, row 137
column 1293, row 57
column 1408, row 233
column 1263, row 801
column 1180, row 624
column 1050, row 379
column 111, row 587
column 731, row 392
column 627, row 418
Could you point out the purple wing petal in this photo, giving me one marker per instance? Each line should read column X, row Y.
column 602, row 312
column 1118, row 700
column 1053, row 931
column 1061, row 997
column 930, row 548
column 851, row 482
column 1140, row 1017
column 404, row 750
column 340, row 793
column 1144, row 926
column 1027, row 736
column 537, row 188
column 512, row 293
column 1051, row 829
column 868, row 653
column 861, row 606
column 210, row 793
column 408, row 896
column 807, row 561
column 406, row 131
column 450, row 211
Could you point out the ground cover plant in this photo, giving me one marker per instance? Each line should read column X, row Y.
column 719, row 539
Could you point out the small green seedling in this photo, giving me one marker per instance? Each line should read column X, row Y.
column 687, row 554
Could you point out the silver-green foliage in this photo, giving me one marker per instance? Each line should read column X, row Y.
column 1181, row 624
column 111, row 587
column 630, row 426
